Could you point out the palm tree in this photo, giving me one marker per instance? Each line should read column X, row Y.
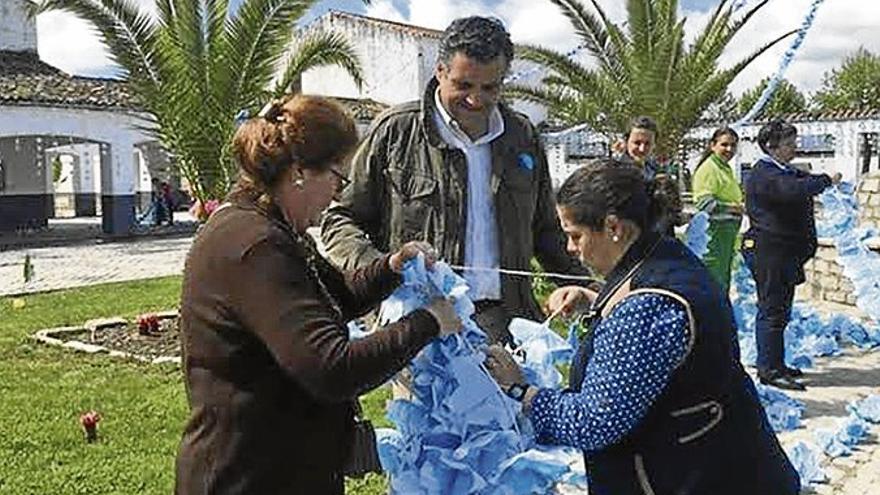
column 642, row 68
column 195, row 64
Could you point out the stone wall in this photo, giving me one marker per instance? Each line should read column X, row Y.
column 869, row 201
column 825, row 279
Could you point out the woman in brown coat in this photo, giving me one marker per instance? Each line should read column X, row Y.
column 271, row 374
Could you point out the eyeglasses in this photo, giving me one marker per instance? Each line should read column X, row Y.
column 343, row 180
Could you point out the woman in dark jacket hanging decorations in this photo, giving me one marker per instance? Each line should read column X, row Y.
column 272, row 377
column 780, row 239
column 657, row 400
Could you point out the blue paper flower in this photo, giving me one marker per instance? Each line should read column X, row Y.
column 458, row 433
column 697, row 235
column 806, row 462
column 526, row 161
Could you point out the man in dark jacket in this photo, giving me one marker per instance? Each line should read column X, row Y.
column 461, row 171
column 781, row 238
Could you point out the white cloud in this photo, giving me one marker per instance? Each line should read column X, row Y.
column 841, row 26
column 384, row 9
column 73, row 45
column 70, row 44
column 534, row 22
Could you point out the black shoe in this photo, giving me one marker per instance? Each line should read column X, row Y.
column 778, row 379
column 792, row 372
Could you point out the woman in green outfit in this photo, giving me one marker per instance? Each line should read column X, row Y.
column 717, row 192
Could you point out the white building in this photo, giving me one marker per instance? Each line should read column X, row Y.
column 828, row 142
column 89, row 124
column 397, row 59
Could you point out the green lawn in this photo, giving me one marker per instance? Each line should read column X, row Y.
column 44, row 390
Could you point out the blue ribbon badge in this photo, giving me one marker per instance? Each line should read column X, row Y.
column 526, row 161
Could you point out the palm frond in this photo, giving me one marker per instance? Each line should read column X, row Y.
column 317, row 50
column 590, row 29
column 712, row 25
column 194, row 64
column 258, row 36
column 643, row 67
column 127, row 31
column 565, row 67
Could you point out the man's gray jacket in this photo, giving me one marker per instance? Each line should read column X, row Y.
column 408, row 184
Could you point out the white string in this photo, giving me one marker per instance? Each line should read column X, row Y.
column 522, row 273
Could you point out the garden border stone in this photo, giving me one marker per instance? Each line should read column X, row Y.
column 56, row 337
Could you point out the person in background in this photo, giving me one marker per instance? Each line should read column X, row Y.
column 463, row 172
column 167, row 198
column 156, row 201
column 657, row 399
column 717, row 192
column 637, row 150
column 780, row 239
column 271, row 375
column 637, row 147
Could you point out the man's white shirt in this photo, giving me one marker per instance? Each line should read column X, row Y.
column 481, row 232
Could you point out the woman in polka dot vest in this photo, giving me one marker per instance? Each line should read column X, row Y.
column 657, row 400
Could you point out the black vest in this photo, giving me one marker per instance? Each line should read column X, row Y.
column 707, row 432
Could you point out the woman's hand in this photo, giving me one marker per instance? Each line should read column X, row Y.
column 443, row 311
column 502, row 367
column 566, row 300
column 409, row 251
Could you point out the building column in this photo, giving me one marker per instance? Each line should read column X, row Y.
column 117, row 188
column 86, row 177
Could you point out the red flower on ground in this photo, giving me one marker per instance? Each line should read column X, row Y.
column 147, row 324
column 89, row 422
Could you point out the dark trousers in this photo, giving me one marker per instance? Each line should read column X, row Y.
column 776, row 275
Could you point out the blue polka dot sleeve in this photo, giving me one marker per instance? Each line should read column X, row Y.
column 636, row 349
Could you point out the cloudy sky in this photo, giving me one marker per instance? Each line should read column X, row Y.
column 841, row 27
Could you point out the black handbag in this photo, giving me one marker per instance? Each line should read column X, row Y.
column 363, row 457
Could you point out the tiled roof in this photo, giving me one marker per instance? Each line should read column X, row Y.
column 27, row 80
column 826, row 115
column 15, row 63
column 809, row 116
column 397, row 26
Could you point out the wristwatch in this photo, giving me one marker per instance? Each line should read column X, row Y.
column 517, row 391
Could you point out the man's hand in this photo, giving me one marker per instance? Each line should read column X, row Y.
column 836, row 178
column 409, row 251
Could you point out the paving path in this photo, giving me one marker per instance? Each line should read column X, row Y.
column 832, row 384
column 89, row 264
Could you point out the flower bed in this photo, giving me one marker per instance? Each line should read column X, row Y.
column 152, row 338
